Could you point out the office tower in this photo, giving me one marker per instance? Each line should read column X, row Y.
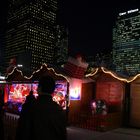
column 30, row 36
column 126, row 42
column 1, row 54
column 102, row 59
column 61, row 51
column 3, row 13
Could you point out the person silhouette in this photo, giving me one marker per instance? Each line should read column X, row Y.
column 47, row 119
column 1, row 116
column 24, row 121
column 30, row 98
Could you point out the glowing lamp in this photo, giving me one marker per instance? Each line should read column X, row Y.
column 75, row 93
column 75, row 89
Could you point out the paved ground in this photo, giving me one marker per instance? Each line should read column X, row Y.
column 116, row 134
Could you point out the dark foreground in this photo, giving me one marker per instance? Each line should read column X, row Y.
column 116, row 134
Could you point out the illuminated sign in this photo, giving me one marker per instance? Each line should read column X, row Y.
column 75, row 89
column 2, row 77
column 75, row 94
column 19, row 65
column 128, row 12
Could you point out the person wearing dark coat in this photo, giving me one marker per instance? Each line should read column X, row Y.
column 47, row 120
column 30, row 98
column 1, row 117
column 24, row 120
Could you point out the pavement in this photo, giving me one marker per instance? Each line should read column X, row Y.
column 75, row 133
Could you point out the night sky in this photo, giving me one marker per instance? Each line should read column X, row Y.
column 90, row 23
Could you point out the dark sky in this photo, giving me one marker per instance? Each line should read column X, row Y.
column 90, row 23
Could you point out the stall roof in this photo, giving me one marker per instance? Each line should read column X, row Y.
column 17, row 75
column 97, row 71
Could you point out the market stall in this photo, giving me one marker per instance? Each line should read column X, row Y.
column 108, row 105
column 134, row 103
column 18, row 88
column 80, row 91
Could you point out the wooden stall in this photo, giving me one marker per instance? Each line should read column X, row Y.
column 134, row 118
column 16, row 78
column 79, row 108
column 80, row 90
column 110, row 88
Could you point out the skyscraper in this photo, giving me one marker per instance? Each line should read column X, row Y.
column 61, row 51
column 30, row 35
column 126, row 42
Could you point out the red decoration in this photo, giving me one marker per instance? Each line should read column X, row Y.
column 75, row 67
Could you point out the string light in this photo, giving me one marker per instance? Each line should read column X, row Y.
column 92, row 73
column 113, row 75
column 28, row 78
column 43, row 65
column 127, row 80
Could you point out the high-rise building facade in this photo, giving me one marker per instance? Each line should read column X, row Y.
column 61, row 51
column 30, row 35
column 126, row 42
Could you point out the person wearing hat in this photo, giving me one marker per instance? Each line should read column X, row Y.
column 47, row 118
